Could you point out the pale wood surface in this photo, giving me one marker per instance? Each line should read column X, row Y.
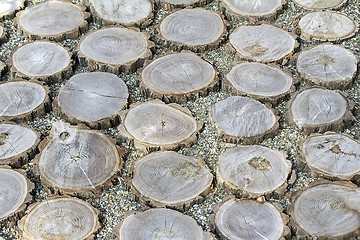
column 320, row 4
column 9, row 7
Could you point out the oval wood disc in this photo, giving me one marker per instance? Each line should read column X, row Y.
column 263, row 43
column 76, row 160
column 55, row 19
column 320, row 4
column 160, row 223
column 254, row 169
column 9, row 7
column 178, row 77
column 327, row 65
column 60, row 218
column 22, row 100
column 93, row 98
column 259, row 81
column 332, row 155
column 115, row 49
column 171, row 4
column 154, row 124
column 249, row 219
column 194, row 29
column 326, row 26
column 242, row 118
column 327, row 210
column 171, row 179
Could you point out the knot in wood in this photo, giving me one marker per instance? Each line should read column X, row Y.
column 260, row 164
column 64, row 135
column 3, row 138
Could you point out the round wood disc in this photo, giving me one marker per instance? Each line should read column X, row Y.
column 160, row 223
column 327, row 65
column 319, row 4
column 249, row 219
column 170, row 179
column 254, row 169
column 8, row 8
column 60, row 218
column 327, row 26
column 259, row 81
column 263, row 43
column 333, row 155
column 94, row 98
column 242, row 118
column 178, row 76
column 115, row 49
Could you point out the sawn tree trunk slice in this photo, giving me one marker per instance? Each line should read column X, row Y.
column 320, row 4
column 92, row 98
column 60, row 218
column 178, row 77
column 243, row 119
column 156, row 125
column 9, row 7
column 115, row 49
column 171, row 4
column 171, row 179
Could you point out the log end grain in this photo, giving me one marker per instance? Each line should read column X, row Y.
column 9, row 8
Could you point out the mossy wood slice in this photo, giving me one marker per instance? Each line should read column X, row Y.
column 41, row 60
column 328, row 65
column 319, row 110
column 320, row 4
column 250, row 220
column 9, row 7
column 253, row 170
column 160, row 223
column 171, row 179
column 332, row 155
column 154, row 124
column 259, row 81
column 92, row 98
column 194, row 29
column 56, row 20
column 17, row 144
column 3, row 34
column 22, row 100
column 263, row 43
column 60, row 218
column 243, row 119
column 327, row 26
column 115, row 49
column 326, row 210
column 77, row 161
column 171, row 4
column 125, row 12
column 178, row 77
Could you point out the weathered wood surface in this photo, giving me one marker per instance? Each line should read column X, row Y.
column 115, row 49
column 9, row 7
column 326, row 26
column 263, row 43
column 178, row 77
column 92, row 98
column 328, row 65
column 154, row 124
column 243, row 119
column 171, row 4
column 160, row 223
column 60, row 218
column 320, row 4
column 171, row 179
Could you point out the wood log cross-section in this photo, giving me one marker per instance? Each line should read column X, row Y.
column 9, row 7
column 3, row 34
column 320, row 4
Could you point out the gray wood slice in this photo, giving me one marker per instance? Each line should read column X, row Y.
column 154, row 124
column 253, row 170
column 124, row 12
column 243, row 119
column 326, row 210
column 92, row 98
column 171, row 4
column 332, row 155
column 41, row 60
column 17, row 144
column 178, row 77
column 56, row 20
column 320, row 4
column 160, row 223
column 9, row 7
column 249, row 220
column 171, row 179
column 263, row 43
column 259, row 81
column 328, row 65
column 326, row 26
column 22, row 100
column 75, row 160
column 115, row 49
column 318, row 109
column 60, row 218
column 195, row 29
